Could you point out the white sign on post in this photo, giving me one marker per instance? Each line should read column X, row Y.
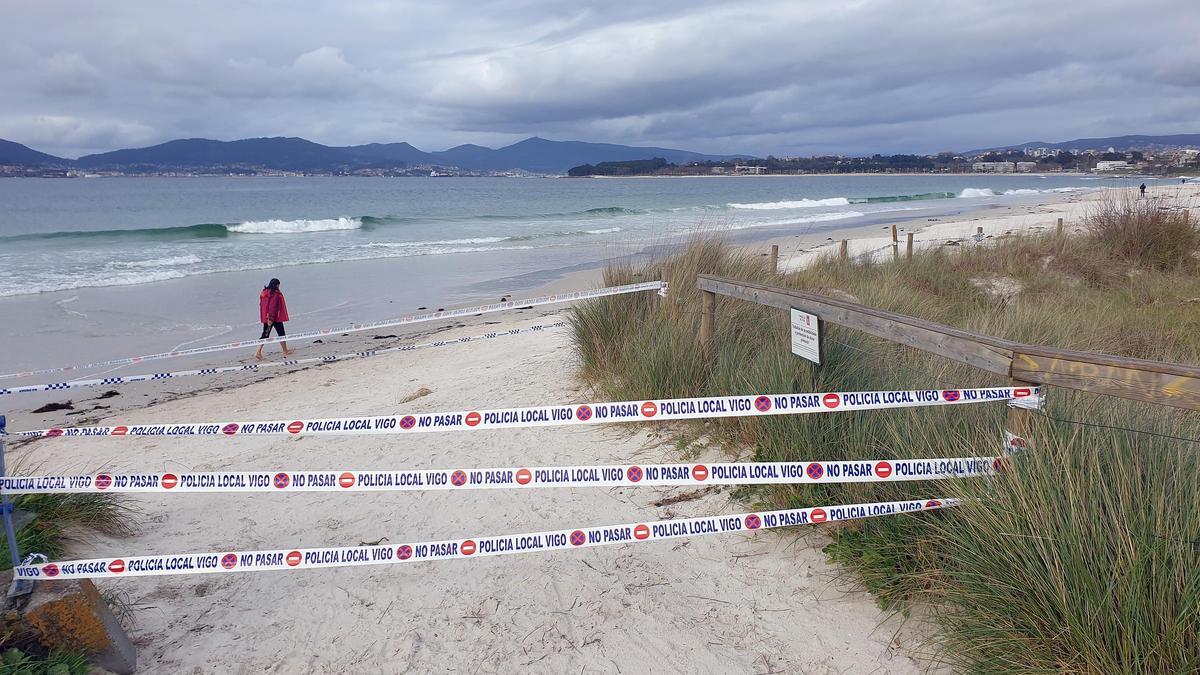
column 806, row 335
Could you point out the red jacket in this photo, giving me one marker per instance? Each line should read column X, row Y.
column 272, row 307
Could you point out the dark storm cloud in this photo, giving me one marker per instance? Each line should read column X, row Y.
column 764, row 77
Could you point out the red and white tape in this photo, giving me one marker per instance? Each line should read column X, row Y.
column 752, row 405
column 255, row 367
column 416, row 480
column 570, row 296
column 221, row 562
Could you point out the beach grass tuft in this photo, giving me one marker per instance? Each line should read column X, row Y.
column 59, row 519
column 1143, row 231
column 1080, row 558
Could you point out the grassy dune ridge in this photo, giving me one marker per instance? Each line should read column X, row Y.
column 1083, row 556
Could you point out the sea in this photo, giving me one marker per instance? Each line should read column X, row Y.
column 99, row 268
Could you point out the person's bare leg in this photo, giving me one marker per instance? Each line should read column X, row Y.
column 286, row 351
column 258, row 354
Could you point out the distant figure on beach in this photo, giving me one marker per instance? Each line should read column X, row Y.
column 272, row 311
column 1143, row 189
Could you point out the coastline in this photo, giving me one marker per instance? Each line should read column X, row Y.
column 556, row 611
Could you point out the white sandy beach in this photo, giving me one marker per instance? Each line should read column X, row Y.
column 739, row 603
column 797, row 251
column 729, row 603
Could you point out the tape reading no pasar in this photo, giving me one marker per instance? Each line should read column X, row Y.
column 469, row 547
column 564, row 415
column 419, row 480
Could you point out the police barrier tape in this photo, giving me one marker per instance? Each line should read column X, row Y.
column 473, row 547
column 573, row 414
column 621, row 475
column 254, row 367
column 660, row 286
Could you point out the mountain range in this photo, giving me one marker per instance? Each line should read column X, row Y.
column 297, row 154
column 537, row 155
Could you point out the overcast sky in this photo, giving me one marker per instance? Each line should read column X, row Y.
column 785, row 78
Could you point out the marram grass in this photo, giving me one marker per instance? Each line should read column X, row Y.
column 1084, row 557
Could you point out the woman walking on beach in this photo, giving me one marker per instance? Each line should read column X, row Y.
column 272, row 311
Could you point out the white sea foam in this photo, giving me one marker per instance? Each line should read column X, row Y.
column 439, row 242
column 169, row 261
column 818, row 218
column 794, row 204
column 295, row 226
column 607, row 230
column 1022, row 191
column 62, row 304
column 968, row 193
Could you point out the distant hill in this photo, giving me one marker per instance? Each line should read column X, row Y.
column 539, row 154
column 1118, row 143
column 20, row 155
column 297, row 154
column 286, row 154
column 389, row 152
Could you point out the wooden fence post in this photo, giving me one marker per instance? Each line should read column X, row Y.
column 1020, row 420
column 845, row 251
column 1060, row 227
column 895, row 244
column 708, row 320
column 908, row 245
column 775, row 258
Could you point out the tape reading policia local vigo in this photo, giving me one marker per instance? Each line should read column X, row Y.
column 472, row 547
column 660, row 286
column 254, row 367
column 560, row 415
column 623, row 475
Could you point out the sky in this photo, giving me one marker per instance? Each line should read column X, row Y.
column 788, row 78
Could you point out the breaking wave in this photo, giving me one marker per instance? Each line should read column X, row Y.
column 795, row 204
column 295, row 226
column 969, row 193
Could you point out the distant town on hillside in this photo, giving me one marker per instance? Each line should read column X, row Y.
column 1033, row 160
column 1150, row 155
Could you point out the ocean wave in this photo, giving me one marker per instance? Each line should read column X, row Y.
column 1022, row 191
column 793, row 204
column 131, row 277
column 969, row 193
column 920, row 196
column 200, row 231
column 295, row 226
column 598, row 212
column 611, row 211
column 842, row 201
column 606, row 230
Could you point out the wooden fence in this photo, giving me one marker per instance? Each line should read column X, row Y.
column 1171, row 384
